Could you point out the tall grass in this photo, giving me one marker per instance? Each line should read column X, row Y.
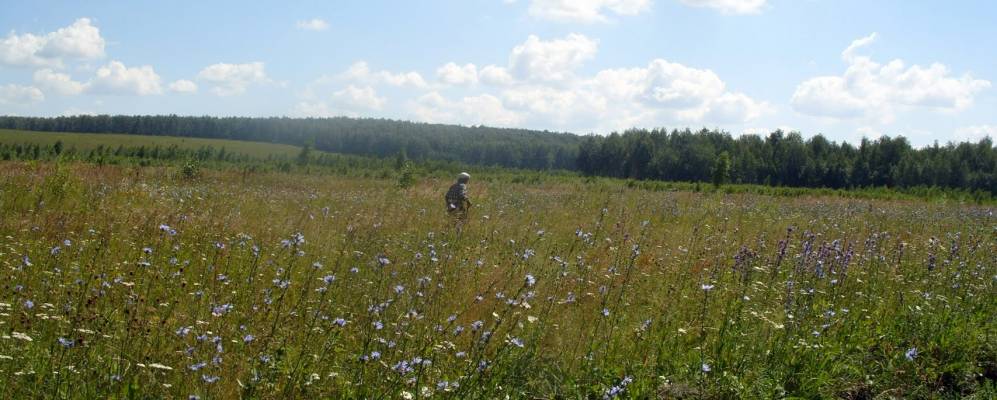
column 131, row 282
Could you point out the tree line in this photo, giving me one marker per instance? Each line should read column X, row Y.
column 778, row 159
column 515, row 148
column 787, row 159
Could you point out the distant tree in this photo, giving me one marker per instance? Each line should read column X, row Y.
column 400, row 160
column 721, row 169
column 305, row 155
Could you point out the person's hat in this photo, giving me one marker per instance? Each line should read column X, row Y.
column 464, row 176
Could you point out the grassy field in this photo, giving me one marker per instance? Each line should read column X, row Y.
column 89, row 141
column 126, row 282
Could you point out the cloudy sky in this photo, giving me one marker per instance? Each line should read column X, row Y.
column 844, row 68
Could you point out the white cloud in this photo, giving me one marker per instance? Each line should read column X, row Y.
column 483, row 109
column 73, row 111
column 353, row 101
column 869, row 90
column 360, row 72
column 849, row 53
column 494, row 75
column 560, row 107
column 314, row 24
column 81, row 40
column 58, row 82
column 233, row 79
column 20, row 95
column 313, row 109
column 542, row 87
column 867, row 132
column 116, row 78
column 553, row 60
column 730, row 6
column 733, row 108
column 756, row 131
column 672, row 91
column 183, row 86
column 585, row 11
column 359, row 98
column 976, row 133
column 453, row 74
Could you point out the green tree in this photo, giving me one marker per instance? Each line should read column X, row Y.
column 305, row 155
column 721, row 169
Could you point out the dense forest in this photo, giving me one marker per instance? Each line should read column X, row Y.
column 786, row 159
column 516, row 148
column 778, row 159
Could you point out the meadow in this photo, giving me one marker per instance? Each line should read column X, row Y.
column 137, row 282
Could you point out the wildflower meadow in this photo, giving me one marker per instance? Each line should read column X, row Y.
column 137, row 282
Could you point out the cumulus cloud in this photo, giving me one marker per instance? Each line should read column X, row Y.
column 81, row 40
column 314, row 24
column 359, row 98
column 116, row 78
column 483, row 109
column 316, row 109
column 20, row 95
column 57, row 82
column 360, row 72
column 677, row 92
column 551, row 60
column 183, row 86
column 730, row 6
column 542, row 86
column 232, row 79
column 350, row 101
column 453, row 74
column 870, row 90
column 585, row 11
column 494, row 75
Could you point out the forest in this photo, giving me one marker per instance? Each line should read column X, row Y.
column 778, row 159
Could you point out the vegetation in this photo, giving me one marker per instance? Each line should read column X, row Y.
column 250, row 157
column 783, row 159
column 85, row 142
column 513, row 148
column 779, row 159
column 139, row 282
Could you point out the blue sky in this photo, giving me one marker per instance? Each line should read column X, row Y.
column 847, row 69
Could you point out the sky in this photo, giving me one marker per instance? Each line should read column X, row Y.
column 846, row 69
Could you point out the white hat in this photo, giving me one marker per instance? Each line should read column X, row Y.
column 464, row 176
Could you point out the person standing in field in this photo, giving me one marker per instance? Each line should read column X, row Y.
column 457, row 199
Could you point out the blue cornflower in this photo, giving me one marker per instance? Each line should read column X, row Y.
column 530, row 280
column 221, row 310
column 66, row 342
column 911, row 354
